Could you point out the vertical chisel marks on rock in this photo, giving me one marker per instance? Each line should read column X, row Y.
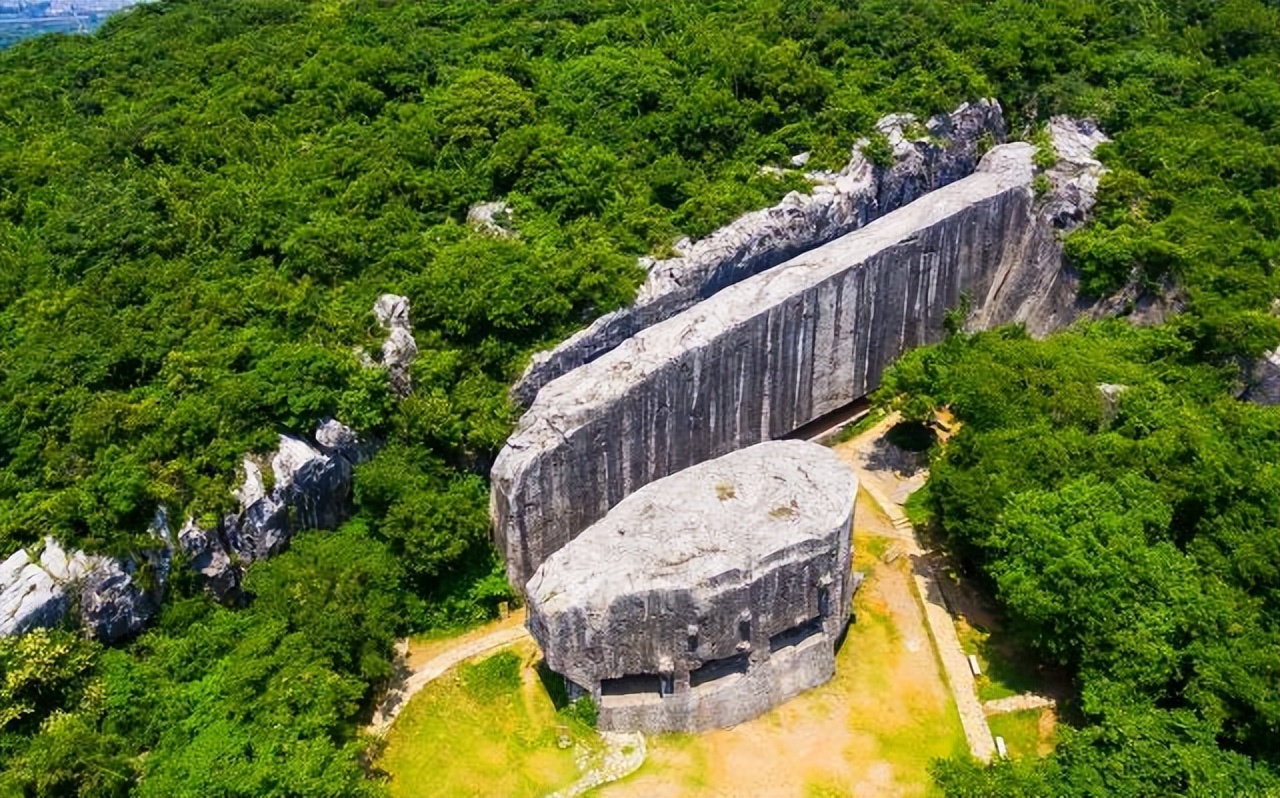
column 771, row 353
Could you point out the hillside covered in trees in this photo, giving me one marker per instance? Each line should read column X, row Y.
column 200, row 203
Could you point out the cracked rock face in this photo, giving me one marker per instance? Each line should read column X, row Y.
column 926, row 157
column 108, row 594
column 37, row 593
column 210, row 559
column 311, row 489
column 115, row 598
column 765, row 356
column 1263, row 380
column 729, row 580
column 399, row 349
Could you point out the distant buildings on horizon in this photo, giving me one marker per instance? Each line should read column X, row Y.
column 22, row 19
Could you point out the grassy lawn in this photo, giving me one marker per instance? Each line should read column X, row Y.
column 917, row 509
column 483, row 729
column 489, row 729
column 1025, row 732
column 873, row 417
column 871, row 730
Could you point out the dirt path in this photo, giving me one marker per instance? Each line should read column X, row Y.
column 414, row 676
column 871, row 731
column 888, row 476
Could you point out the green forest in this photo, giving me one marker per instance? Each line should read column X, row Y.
column 200, row 203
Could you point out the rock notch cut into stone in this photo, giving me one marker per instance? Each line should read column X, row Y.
column 706, row 598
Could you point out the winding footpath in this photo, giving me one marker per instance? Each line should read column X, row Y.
column 623, row 752
column 411, row 682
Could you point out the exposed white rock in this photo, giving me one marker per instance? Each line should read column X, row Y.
column 1110, row 393
column 932, row 156
column 493, row 218
column 1047, row 299
column 114, row 602
column 210, row 558
column 34, row 593
column 252, row 488
column 40, row 593
column 399, row 349
column 731, row 580
column 391, row 311
column 311, row 490
column 335, row 437
column 771, row 353
column 292, row 457
column 1263, row 380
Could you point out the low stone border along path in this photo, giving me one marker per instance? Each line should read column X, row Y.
column 410, row 682
column 624, row 753
column 955, row 663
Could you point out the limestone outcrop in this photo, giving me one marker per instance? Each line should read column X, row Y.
column 399, row 349
column 771, row 353
column 925, row 157
column 109, row 596
column 1263, row 380
column 310, row 489
column 707, row 597
column 492, row 218
column 37, row 592
column 113, row 598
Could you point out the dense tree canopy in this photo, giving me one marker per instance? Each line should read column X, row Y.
column 1131, row 540
column 200, row 203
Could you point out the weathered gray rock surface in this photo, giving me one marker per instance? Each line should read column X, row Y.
column 707, row 597
column 493, row 218
column 311, row 487
column 37, row 592
column 925, row 157
column 311, row 490
column 113, row 598
column 1263, row 380
column 399, row 349
column 108, row 595
column 765, row 356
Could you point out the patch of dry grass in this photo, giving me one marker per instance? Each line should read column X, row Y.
column 455, row 739
column 871, row 730
column 1028, row 732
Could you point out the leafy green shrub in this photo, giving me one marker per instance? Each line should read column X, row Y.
column 878, row 150
column 582, row 710
column 1046, row 155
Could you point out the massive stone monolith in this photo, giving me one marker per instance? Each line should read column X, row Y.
column 706, row 598
column 763, row 357
column 924, row 157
